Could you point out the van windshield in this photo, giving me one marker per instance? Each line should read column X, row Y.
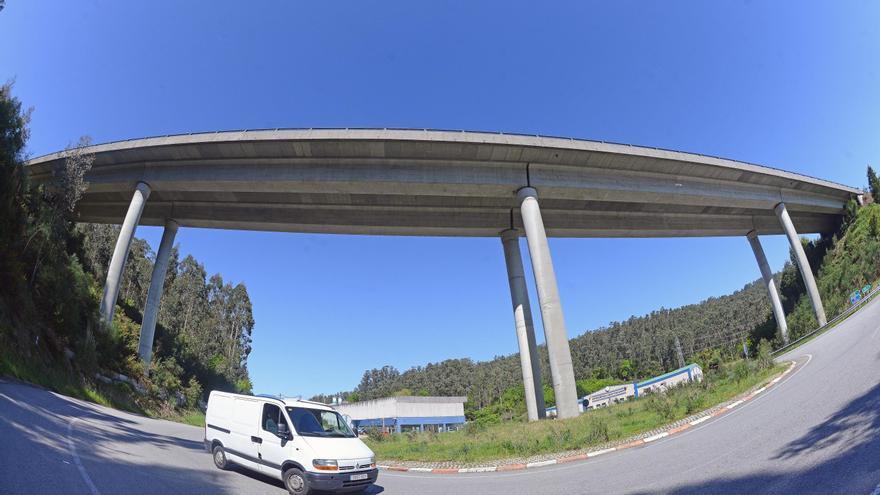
column 318, row 423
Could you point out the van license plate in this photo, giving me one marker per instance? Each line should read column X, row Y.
column 356, row 477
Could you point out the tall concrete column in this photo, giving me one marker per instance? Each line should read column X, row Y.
column 555, row 334
column 120, row 253
column 803, row 264
column 525, row 330
column 770, row 284
column 154, row 296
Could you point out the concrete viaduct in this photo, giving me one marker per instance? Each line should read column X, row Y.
column 447, row 183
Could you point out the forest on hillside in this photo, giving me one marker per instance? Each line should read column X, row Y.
column 52, row 272
column 636, row 348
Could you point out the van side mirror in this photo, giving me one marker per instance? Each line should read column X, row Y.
column 282, row 431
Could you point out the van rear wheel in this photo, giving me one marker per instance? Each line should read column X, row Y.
column 295, row 482
column 220, row 457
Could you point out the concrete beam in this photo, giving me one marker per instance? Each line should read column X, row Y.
column 525, row 330
column 556, row 336
column 154, row 296
column 350, row 215
column 803, row 264
column 770, row 285
column 120, row 252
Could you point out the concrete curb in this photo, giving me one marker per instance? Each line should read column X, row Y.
column 637, row 441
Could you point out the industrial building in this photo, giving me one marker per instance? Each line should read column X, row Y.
column 399, row 414
column 625, row 391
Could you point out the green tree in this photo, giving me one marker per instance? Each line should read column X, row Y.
column 873, row 184
column 13, row 188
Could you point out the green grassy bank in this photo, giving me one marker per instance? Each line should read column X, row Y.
column 66, row 382
column 477, row 443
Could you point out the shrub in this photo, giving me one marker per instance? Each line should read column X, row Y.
column 597, row 431
column 764, row 359
column 739, row 371
column 474, row 427
column 375, row 434
column 661, row 404
column 694, row 399
column 193, row 393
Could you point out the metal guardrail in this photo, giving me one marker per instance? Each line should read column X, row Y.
column 848, row 311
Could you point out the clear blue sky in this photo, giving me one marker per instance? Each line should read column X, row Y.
column 790, row 84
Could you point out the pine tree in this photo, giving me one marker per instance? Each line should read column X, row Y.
column 873, row 183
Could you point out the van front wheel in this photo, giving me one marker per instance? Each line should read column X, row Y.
column 220, row 457
column 295, row 482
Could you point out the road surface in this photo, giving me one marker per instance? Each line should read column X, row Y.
column 817, row 431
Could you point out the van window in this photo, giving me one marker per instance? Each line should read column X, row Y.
column 319, row 423
column 272, row 417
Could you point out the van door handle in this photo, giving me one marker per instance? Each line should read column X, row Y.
column 256, row 440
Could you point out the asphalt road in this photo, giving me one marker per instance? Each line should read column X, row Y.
column 817, row 431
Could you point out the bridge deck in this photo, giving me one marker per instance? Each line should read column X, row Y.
column 415, row 182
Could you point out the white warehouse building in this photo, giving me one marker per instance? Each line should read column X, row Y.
column 406, row 413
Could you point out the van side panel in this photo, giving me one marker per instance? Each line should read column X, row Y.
column 233, row 420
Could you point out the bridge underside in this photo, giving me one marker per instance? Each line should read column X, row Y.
column 442, row 183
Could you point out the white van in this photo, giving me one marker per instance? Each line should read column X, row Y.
column 307, row 445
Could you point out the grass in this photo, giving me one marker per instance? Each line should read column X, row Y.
column 518, row 439
column 816, row 334
column 190, row 417
column 66, row 382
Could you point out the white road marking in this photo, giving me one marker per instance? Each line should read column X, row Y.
column 484, row 469
column 76, row 459
column 541, row 463
column 600, row 452
column 731, row 406
column 700, row 420
column 421, row 470
column 656, row 437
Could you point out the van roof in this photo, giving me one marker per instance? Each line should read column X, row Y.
column 286, row 401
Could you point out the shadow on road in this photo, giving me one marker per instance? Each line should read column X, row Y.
column 121, row 453
column 374, row 489
column 853, row 432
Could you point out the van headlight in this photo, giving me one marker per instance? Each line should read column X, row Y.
column 325, row 464
column 373, row 461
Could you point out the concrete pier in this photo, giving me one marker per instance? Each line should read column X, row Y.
column 525, row 330
column 120, row 253
column 803, row 264
column 770, row 284
column 154, row 296
column 555, row 333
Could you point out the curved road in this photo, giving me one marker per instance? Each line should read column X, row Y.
column 817, row 431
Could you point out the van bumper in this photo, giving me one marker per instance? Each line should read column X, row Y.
column 341, row 482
